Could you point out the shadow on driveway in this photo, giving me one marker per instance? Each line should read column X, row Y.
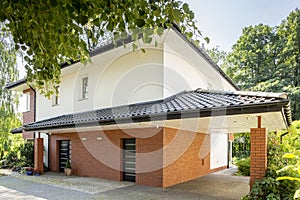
column 216, row 186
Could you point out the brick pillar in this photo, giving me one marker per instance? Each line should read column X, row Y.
column 258, row 154
column 38, row 154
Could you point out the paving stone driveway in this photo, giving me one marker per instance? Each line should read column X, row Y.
column 56, row 186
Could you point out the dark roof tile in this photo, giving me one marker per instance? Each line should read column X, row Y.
column 200, row 101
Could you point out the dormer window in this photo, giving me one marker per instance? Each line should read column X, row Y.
column 84, row 88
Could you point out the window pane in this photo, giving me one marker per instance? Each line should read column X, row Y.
column 85, row 87
column 27, row 102
column 55, row 98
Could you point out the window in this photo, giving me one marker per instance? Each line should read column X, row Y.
column 84, row 88
column 27, row 102
column 55, row 97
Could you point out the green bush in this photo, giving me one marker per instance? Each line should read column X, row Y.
column 244, row 166
column 11, row 158
column 68, row 164
column 269, row 187
column 18, row 156
column 27, row 154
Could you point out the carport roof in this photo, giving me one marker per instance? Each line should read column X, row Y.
column 188, row 104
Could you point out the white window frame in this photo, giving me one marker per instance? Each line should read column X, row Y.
column 56, row 98
column 27, row 102
column 84, row 92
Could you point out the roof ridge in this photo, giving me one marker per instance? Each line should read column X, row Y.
column 281, row 95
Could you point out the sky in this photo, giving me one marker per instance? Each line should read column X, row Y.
column 223, row 20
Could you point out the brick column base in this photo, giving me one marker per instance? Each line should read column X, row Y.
column 38, row 154
column 258, row 154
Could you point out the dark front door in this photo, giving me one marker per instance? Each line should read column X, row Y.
column 64, row 153
column 129, row 160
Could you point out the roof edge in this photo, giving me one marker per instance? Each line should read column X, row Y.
column 204, row 55
column 128, row 40
column 14, row 84
column 247, row 93
column 258, row 108
column 17, row 130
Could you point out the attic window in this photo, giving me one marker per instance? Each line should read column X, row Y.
column 84, row 88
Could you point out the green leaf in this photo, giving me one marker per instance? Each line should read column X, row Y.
column 186, row 8
column 160, row 31
column 207, row 40
column 134, row 46
column 124, row 35
column 287, row 178
column 289, row 156
column 140, row 22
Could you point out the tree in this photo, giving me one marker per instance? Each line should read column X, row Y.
column 8, row 72
column 268, row 59
column 219, row 57
column 289, row 34
column 252, row 56
column 52, row 32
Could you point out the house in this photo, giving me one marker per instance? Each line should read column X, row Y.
column 157, row 118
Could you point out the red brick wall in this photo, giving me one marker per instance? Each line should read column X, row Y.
column 38, row 154
column 103, row 158
column 150, row 158
column 30, row 115
column 258, row 154
column 189, row 165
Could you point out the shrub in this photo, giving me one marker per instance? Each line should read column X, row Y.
column 244, row 166
column 68, row 164
column 27, row 154
column 18, row 156
column 269, row 187
column 11, row 158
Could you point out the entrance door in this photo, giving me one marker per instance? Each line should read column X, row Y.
column 64, row 153
column 129, row 160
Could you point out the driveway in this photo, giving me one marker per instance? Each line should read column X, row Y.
column 215, row 186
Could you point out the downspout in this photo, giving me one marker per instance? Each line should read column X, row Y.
column 48, row 135
column 34, row 113
column 282, row 135
column 34, row 106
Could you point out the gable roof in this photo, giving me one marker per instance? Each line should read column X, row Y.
column 110, row 46
column 16, row 83
column 187, row 104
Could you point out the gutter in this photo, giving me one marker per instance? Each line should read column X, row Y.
column 34, row 106
column 15, row 84
column 197, row 113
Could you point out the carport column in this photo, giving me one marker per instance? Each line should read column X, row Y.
column 38, row 154
column 258, row 153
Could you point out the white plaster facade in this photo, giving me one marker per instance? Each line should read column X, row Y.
column 122, row 76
